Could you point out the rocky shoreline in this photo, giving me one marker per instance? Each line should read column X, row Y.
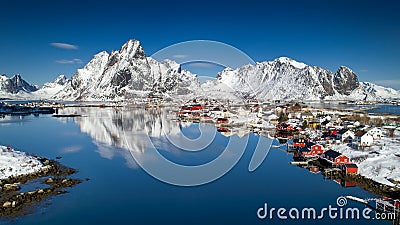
column 363, row 182
column 54, row 179
column 374, row 187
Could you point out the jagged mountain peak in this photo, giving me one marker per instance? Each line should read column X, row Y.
column 15, row 84
column 132, row 49
column 126, row 73
column 345, row 80
column 101, row 54
column 285, row 78
column 287, row 60
column 345, row 70
column 16, row 76
column 61, row 80
column 51, row 88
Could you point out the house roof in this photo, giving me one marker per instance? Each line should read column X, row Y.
column 360, row 133
column 342, row 131
column 325, row 122
column 316, row 145
column 351, row 165
column 332, row 154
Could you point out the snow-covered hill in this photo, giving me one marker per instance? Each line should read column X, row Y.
column 125, row 74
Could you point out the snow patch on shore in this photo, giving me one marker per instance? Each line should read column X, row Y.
column 14, row 163
column 379, row 162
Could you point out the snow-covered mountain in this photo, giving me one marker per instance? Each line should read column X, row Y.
column 379, row 91
column 17, row 88
column 127, row 73
column 15, row 84
column 49, row 89
column 60, row 80
column 284, row 78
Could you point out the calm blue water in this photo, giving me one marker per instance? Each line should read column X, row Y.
column 120, row 192
column 385, row 108
column 381, row 108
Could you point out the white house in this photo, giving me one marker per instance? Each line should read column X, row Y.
column 346, row 135
column 376, row 133
column 362, row 139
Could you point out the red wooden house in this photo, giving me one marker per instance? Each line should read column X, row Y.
column 319, row 149
column 284, row 127
column 350, row 168
column 345, row 183
column 299, row 143
column 191, row 107
column 197, row 107
column 314, row 169
column 335, row 157
column 315, row 151
column 186, row 108
column 222, row 121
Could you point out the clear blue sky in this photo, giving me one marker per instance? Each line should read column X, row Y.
column 364, row 35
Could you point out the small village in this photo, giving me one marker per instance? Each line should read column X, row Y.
column 342, row 144
column 40, row 107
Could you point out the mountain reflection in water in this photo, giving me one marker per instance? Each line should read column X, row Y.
column 127, row 131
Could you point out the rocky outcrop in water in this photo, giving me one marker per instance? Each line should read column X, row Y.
column 55, row 178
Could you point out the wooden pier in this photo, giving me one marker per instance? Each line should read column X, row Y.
column 300, row 163
column 331, row 172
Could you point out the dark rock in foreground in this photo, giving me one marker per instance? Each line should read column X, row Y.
column 55, row 178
